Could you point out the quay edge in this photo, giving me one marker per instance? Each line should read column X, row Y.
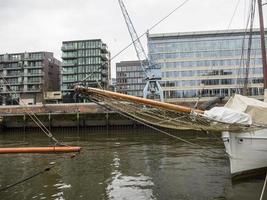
column 61, row 116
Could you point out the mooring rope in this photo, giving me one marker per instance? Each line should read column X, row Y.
column 263, row 188
column 27, row 178
column 46, row 169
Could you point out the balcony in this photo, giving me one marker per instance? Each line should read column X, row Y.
column 69, row 80
column 9, row 59
column 13, row 74
column 69, row 56
column 69, row 64
column 12, row 83
column 33, row 81
column 32, row 90
column 69, row 72
column 33, row 66
column 40, row 57
column 14, row 67
column 12, row 90
column 68, row 47
column 34, row 74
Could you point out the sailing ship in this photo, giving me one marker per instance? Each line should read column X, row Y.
column 242, row 121
column 247, row 149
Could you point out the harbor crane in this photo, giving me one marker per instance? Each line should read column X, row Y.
column 151, row 70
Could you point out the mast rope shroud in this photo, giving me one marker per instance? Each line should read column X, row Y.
column 32, row 115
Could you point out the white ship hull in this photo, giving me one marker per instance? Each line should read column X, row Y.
column 247, row 151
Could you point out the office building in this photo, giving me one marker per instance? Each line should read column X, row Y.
column 206, row 64
column 84, row 62
column 130, row 78
column 27, row 77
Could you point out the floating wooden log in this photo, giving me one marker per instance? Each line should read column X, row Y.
column 64, row 149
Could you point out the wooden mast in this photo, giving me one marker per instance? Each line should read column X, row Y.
column 263, row 49
column 135, row 99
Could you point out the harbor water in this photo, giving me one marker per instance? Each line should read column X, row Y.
column 123, row 164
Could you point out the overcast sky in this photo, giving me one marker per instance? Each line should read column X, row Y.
column 42, row 25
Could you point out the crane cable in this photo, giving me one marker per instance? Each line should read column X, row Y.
column 231, row 20
column 152, row 27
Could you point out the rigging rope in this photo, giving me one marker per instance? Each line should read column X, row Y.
column 242, row 60
column 171, row 119
column 32, row 115
column 231, row 20
column 252, row 14
column 158, row 130
column 152, row 27
column 263, row 188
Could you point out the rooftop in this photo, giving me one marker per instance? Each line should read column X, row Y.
column 200, row 33
column 82, row 40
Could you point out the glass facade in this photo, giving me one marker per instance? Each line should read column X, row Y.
column 85, row 62
column 130, row 78
column 206, row 64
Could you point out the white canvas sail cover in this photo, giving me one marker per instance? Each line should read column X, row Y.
column 228, row 115
column 253, row 107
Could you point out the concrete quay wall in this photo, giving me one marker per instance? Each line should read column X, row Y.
column 61, row 115
column 52, row 108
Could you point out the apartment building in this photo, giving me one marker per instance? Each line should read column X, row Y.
column 84, row 62
column 130, row 78
column 207, row 64
column 25, row 78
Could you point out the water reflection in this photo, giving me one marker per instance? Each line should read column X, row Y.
column 128, row 187
column 136, row 164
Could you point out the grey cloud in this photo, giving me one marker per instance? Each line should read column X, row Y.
column 29, row 25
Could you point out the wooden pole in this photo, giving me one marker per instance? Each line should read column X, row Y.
column 64, row 149
column 135, row 99
column 263, row 50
